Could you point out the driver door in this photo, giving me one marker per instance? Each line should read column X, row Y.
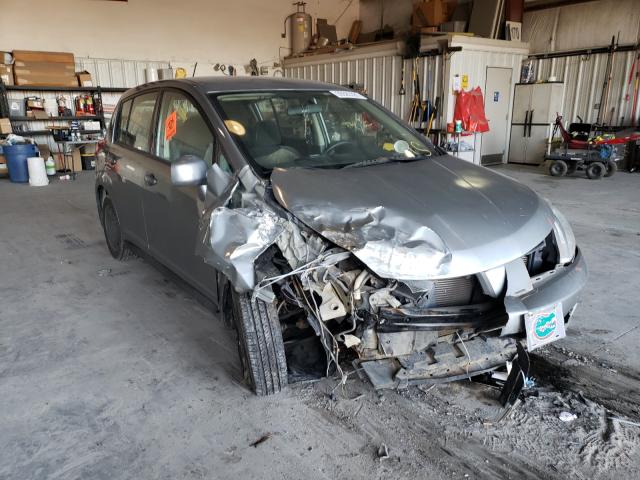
column 172, row 213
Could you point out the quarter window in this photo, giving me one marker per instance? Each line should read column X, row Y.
column 182, row 130
column 135, row 131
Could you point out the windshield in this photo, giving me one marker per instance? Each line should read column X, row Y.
column 322, row 129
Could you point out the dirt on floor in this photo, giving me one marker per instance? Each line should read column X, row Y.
column 579, row 420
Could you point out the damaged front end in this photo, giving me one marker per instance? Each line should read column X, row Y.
column 378, row 289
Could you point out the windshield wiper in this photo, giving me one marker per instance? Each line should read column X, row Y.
column 380, row 160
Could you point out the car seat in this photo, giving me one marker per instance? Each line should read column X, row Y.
column 267, row 148
column 568, row 139
column 192, row 137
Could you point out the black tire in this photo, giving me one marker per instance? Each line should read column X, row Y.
column 612, row 167
column 596, row 170
column 572, row 167
column 260, row 344
column 558, row 168
column 117, row 245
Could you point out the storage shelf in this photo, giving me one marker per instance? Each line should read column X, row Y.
column 29, row 88
column 48, row 132
column 49, row 119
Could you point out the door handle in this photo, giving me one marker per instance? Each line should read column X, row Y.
column 530, row 121
column 526, row 122
column 150, row 179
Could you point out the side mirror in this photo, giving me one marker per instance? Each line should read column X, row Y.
column 218, row 180
column 189, row 170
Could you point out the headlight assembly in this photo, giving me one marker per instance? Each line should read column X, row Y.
column 565, row 239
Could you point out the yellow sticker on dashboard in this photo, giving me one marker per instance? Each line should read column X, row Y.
column 235, row 127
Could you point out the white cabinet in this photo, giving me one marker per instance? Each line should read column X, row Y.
column 535, row 107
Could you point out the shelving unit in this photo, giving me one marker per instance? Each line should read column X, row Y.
column 96, row 91
column 29, row 88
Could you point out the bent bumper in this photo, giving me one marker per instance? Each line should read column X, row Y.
column 564, row 284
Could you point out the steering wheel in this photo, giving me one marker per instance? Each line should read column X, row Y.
column 342, row 143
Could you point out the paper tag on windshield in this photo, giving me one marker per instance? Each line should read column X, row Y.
column 348, row 94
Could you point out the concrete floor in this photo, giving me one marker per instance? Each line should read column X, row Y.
column 112, row 370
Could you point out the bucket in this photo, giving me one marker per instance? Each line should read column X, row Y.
column 16, row 156
column 88, row 157
column 37, row 172
column 151, row 74
column 165, row 73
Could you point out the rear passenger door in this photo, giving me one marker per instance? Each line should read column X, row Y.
column 172, row 213
column 127, row 156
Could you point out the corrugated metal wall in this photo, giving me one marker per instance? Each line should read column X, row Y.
column 583, row 78
column 381, row 76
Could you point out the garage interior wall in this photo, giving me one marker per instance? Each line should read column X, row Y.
column 182, row 33
column 585, row 26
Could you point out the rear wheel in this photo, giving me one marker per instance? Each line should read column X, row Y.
column 260, row 344
column 612, row 167
column 116, row 243
column 596, row 170
column 558, row 168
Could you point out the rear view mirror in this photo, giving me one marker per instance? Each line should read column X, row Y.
column 189, row 170
column 304, row 109
column 218, row 180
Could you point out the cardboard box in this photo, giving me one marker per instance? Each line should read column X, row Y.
column 432, row 13
column 45, row 74
column 45, row 151
column 84, row 79
column 30, row 56
column 43, row 69
column 91, row 125
column 6, row 74
column 74, row 161
column 5, row 126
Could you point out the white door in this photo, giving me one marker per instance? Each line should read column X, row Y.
column 496, row 107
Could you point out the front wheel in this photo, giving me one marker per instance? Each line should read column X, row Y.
column 260, row 344
column 558, row 168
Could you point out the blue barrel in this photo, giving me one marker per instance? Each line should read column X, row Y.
column 16, row 156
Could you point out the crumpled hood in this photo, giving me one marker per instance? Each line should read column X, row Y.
column 436, row 218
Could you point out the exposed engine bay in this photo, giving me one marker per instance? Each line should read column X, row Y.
column 399, row 331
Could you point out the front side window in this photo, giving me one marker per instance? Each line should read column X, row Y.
column 182, row 130
column 138, row 131
column 322, row 129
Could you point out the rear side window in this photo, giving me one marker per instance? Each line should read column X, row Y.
column 136, row 129
column 182, row 130
column 123, row 119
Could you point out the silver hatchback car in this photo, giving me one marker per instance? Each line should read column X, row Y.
column 324, row 229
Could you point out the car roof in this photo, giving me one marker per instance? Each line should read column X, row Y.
column 242, row 84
